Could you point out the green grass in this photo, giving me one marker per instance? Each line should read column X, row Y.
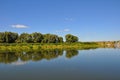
column 48, row 46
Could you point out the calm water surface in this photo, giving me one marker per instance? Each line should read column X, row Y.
column 93, row 64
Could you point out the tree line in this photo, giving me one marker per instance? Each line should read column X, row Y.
column 36, row 37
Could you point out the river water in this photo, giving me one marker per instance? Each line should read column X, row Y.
column 91, row 64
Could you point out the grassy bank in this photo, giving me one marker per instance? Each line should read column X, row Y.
column 39, row 46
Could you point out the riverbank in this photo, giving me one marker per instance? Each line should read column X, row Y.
column 40, row 46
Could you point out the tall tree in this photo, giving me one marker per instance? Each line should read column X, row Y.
column 25, row 38
column 37, row 37
column 50, row 38
column 60, row 39
column 9, row 37
column 71, row 38
column 2, row 37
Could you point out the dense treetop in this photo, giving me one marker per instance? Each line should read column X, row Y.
column 11, row 37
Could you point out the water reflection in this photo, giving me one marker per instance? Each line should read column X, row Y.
column 71, row 53
column 19, row 63
column 22, row 57
column 102, row 63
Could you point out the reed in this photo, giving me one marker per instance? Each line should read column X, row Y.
column 39, row 46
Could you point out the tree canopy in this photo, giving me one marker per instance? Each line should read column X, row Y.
column 71, row 38
column 8, row 37
column 36, row 37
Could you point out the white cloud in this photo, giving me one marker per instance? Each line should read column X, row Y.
column 64, row 30
column 69, row 19
column 19, row 26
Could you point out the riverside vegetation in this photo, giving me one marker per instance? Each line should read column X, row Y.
column 10, row 41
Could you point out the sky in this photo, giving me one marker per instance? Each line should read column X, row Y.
column 90, row 20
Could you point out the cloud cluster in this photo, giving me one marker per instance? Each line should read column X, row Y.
column 68, row 19
column 64, row 30
column 19, row 26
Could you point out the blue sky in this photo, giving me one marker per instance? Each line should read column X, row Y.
column 90, row 20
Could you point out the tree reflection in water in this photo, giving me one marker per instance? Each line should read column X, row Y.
column 71, row 53
column 19, row 57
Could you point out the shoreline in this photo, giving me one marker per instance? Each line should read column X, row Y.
column 50, row 46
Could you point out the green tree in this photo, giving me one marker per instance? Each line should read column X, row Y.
column 2, row 37
column 71, row 38
column 9, row 37
column 25, row 38
column 50, row 38
column 60, row 39
column 37, row 37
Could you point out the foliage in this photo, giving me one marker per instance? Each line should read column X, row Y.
column 8, row 37
column 51, row 38
column 71, row 38
column 24, row 37
column 37, row 37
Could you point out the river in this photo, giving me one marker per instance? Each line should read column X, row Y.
column 91, row 64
